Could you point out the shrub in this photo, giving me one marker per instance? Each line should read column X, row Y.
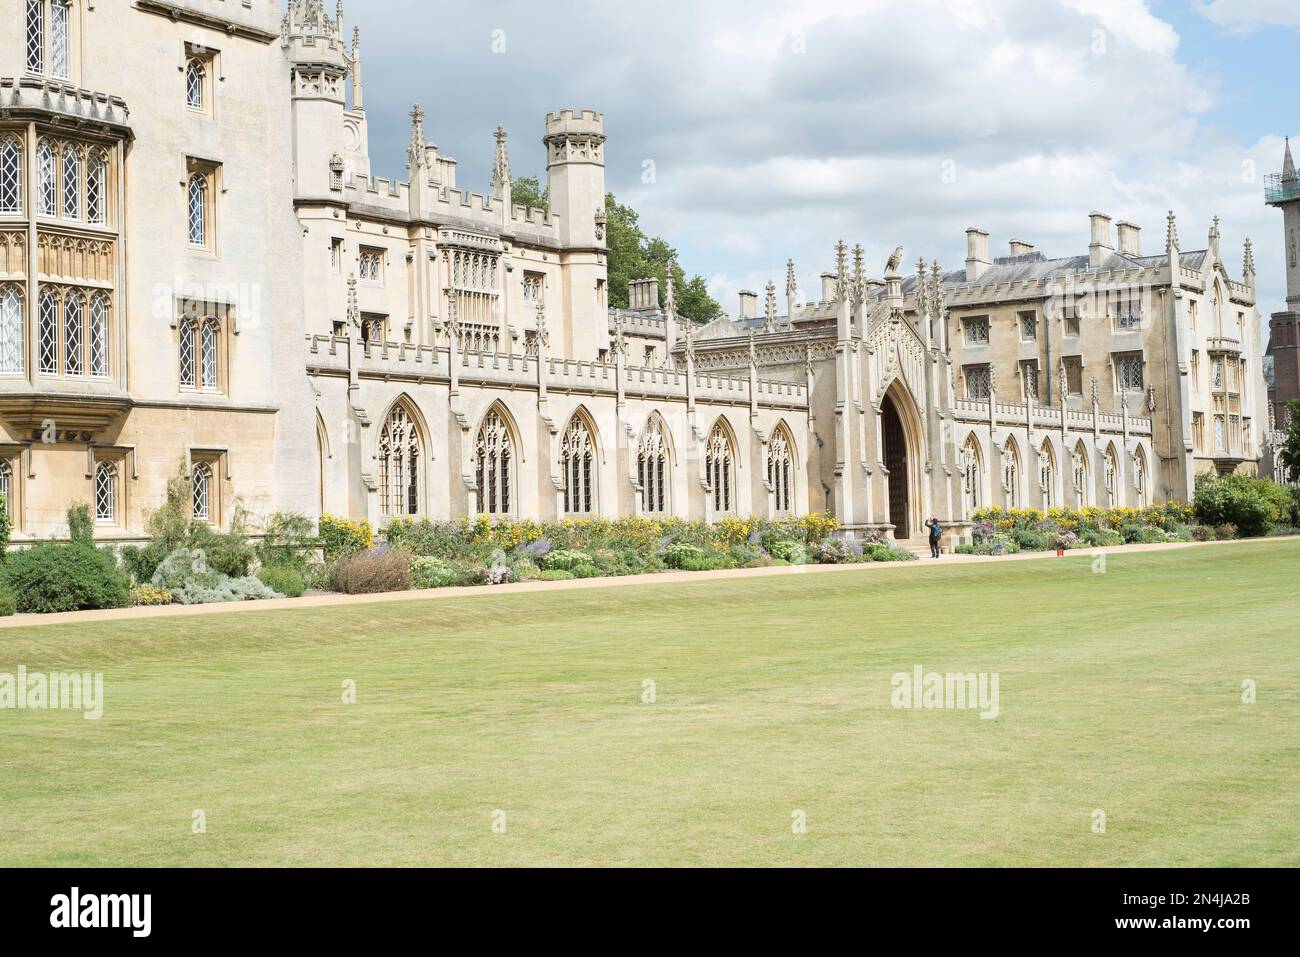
column 837, row 551
column 287, row 541
column 372, row 572
column 227, row 552
column 880, row 552
column 52, row 577
column 341, row 537
column 565, row 559
column 4, row 527
column 8, row 603
column 1031, row 540
column 1225, row 533
column 1204, row 533
column 147, row 595
column 586, row 570
column 283, row 580
column 1253, row 505
column 429, row 572
column 81, row 527
column 683, row 556
column 555, row 575
column 192, row 581
column 793, row 552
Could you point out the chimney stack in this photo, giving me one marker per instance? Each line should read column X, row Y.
column 1102, row 245
column 977, row 254
column 1021, row 248
column 828, row 286
column 643, row 295
column 1130, row 239
column 748, row 304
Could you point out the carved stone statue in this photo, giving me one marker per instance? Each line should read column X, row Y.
column 895, row 261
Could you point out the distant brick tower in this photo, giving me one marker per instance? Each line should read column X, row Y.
column 1282, row 190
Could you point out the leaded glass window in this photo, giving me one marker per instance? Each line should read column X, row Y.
column 652, row 469
column 11, row 175
column 7, row 486
column 106, row 492
column 99, row 335
column 1111, row 478
column 71, row 183
column 399, row 465
column 59, row 39
column 198, row 210
column 577, row 455
column 195, row 72
column 47, row 171
column 1129, row 372
column 96, row 189
column 73, row 309
column 1080, row 467
column 780, row 471
column 188, row 362
column 208, row 353
column 494, row 458
column 12, row 339
column 201, row 492
column 1047, row 475
column 971, row 478
column 979, row 382
column 719, row 467
column 48, row 333
column 1140, row 478
column 1011, row 475
column 35, row 36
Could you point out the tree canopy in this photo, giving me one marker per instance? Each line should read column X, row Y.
column 634, row 255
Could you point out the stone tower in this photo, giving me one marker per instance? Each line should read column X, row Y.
column 575, row 169
column 1283, row 192
column 320, row 59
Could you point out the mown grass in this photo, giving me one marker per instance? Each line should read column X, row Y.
column 1120, row 692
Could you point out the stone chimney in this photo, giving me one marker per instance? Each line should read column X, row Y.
column 643, row 295
column 1130, row 239
column 977, row 254
column 1021, row 248
column 1102, row 245
column 748, row 304
column 828, row 286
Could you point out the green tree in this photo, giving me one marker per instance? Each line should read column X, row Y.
column 633, row 254
column 1289, row 454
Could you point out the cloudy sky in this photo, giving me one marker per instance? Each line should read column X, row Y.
column 776, row 127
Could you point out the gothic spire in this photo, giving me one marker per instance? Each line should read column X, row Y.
column 791, row 286
column 501, row 166
column 841, row 269
column 358, row 93
column 415, row 157
column 1215, row 236
column 1248, row 268
column 670, row 293
column 1288, row 164
column 859, row 273
column 1172, row 245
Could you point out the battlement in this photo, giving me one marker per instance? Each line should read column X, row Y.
column 575, row 123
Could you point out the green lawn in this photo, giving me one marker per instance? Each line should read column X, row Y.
column 1119, row 692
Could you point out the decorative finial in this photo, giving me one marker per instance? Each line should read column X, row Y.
column 670, row 291
column 841, row 269
column 791, row 285
column 543, row 337
column 1171, row 236
column 769, row 316
column 416, row 158
column 753, row 351
column 453, row 319
column 1248, row 267
column 1096, row 391
column 1062, row 381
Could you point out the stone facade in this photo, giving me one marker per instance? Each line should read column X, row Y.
column 201, row 273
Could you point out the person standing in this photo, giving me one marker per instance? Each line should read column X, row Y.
column 936, row 536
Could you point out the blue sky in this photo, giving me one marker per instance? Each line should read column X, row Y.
column 778, row 127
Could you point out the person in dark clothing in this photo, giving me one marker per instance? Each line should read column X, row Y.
column 936, row 536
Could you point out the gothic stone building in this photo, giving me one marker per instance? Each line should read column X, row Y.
column 199, row 271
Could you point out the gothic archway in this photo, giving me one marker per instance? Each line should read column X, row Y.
column 901, row 442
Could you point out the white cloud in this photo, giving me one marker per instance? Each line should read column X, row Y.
column 1250, row 14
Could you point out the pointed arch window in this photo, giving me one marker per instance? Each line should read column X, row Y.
column 99, row 335
column 11, row 175
column 201, row 492
column 12, row 324
column 71, row 183
column 197, row 197
column 780, row 472
column 96, row 189
column 494, row 461
column 1047, row 475
column 971, row 477
column 1079, row 465
column 7, row 487
column 73, row 327
column 1140, row 479
column 47, row 174
column 106, row 492
column 1011, row 474
column 196, row 73
column 399, row 465
column 47, row 333
column 577, row 459
column 189, row 355
column 720, row 466
column 652, row 469
column 1111, row 476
